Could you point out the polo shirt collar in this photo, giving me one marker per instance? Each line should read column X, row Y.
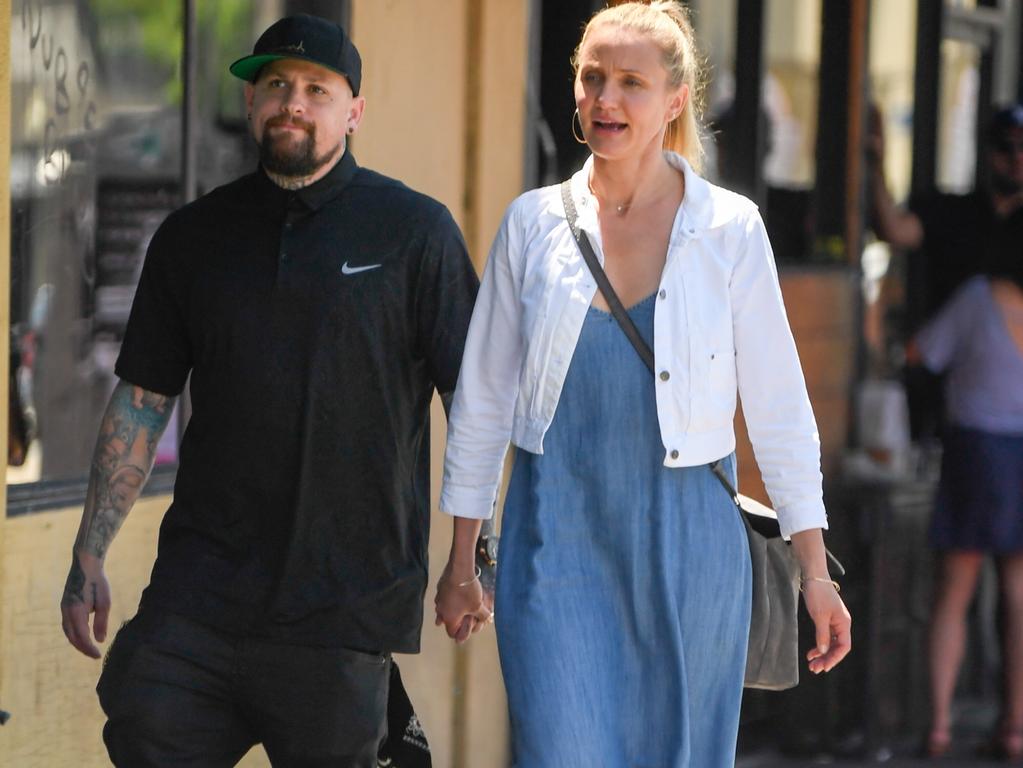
column 322, row 190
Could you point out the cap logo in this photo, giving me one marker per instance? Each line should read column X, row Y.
column 300, row 48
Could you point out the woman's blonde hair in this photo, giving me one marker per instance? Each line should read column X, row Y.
column 667, row 24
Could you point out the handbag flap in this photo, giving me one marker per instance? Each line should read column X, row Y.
column 761, row 517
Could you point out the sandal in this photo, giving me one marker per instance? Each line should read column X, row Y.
column 939, row 741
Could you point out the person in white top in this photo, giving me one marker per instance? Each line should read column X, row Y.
column 623, row 590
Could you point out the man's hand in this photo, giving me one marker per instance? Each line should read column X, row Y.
column 86, row 591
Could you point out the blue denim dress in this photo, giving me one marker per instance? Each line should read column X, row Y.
column 623, row 591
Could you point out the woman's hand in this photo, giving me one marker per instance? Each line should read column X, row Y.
column 461, row 603
column 829, row 614
column 833, row 623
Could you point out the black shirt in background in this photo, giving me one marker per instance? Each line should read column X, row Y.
column 963, row 237
column 316, row 325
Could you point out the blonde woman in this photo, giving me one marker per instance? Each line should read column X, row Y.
column 623, row 591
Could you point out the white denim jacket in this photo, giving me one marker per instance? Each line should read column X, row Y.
column 719, row 327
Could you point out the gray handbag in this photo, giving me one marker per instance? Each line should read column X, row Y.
column 772, row 659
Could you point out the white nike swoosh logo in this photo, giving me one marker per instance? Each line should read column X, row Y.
column 346, row 270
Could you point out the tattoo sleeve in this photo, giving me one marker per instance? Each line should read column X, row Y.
column 132, row 425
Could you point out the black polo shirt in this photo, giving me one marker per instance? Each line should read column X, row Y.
column 316, row 325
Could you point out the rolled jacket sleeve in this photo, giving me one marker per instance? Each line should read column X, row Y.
column 772, row 390
column 480, row 424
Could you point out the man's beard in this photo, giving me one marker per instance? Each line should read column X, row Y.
column 296, row 159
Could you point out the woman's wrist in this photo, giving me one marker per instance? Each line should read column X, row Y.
column 809, row 549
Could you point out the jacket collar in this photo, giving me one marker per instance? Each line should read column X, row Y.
column 703, row 207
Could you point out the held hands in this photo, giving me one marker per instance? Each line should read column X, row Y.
column 86, row 591
column 462, row 605
column 833, row 623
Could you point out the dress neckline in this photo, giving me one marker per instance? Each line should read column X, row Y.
column 637, row 305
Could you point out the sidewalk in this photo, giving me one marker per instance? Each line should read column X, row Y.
column 975, row 720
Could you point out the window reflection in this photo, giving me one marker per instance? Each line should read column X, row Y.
column 95, row 166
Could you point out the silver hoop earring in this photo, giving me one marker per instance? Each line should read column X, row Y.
column 576, row 136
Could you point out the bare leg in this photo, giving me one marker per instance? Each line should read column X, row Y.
column 1011, row 568
column 957, row 583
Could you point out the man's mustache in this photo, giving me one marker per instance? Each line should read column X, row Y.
column 282, row 120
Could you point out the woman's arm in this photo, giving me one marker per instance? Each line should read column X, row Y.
column 775, row 403
column 479, row 429
column 783, row 431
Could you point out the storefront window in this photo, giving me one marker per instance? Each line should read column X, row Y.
column 791, row 44
column 96, row 146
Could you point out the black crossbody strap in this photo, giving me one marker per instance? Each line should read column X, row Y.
column 719, row 473
column 632, row 333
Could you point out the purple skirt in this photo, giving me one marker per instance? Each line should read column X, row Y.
column 979, row 506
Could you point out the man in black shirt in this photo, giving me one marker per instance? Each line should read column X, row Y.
column 316, row 306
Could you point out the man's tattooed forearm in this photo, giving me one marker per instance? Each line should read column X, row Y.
column 75, row 586
column 131, row 429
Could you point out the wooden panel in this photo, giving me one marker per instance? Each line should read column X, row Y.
column 413, row 80
column 502, row 116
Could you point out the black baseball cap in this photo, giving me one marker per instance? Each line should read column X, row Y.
column 1005, row 119
column 305, row 37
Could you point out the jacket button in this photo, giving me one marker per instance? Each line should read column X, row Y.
column 662, row 293
column 665, row 375
column 674, row 454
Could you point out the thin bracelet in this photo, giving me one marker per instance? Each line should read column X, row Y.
column 832, row 582
column 474, row 578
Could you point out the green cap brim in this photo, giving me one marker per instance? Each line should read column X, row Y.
column 248, row 67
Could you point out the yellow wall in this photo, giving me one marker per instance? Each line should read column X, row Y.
column 425, row 99
column 47, row 686
column 450, row 126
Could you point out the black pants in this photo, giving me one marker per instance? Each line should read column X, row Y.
column 179, row 693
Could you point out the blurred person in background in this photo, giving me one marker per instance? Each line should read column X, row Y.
column 950, row 238
column 976, row 341
column 963, row 287
column 316, row 307
column 624, row 583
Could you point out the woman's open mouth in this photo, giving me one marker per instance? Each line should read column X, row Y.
column 602, row 125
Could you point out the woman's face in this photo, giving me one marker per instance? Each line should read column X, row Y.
column 623, row 95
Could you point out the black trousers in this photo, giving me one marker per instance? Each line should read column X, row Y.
column 177, row 693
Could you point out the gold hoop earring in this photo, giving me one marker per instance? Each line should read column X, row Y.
column 576, row 136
